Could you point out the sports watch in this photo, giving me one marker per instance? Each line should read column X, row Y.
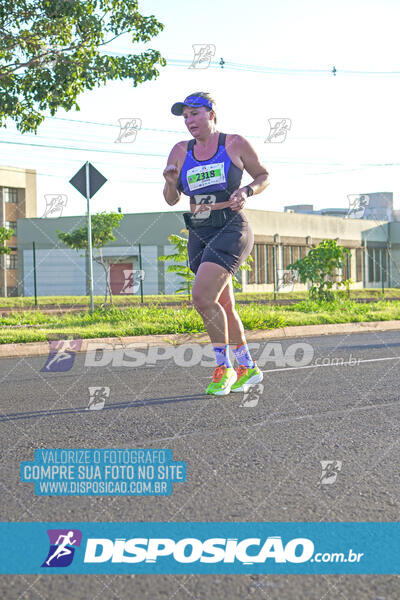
column 250, row 190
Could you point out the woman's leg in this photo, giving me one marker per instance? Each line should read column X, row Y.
column 237, row 341
column 210, row 280
column 235, row 325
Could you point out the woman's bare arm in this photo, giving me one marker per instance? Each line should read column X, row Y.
column 251, row 163
column 253, row 166
column 171, row 173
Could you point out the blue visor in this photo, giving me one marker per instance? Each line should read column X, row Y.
column 193, row 101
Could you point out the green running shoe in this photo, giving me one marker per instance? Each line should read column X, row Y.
column 223, row 378
column 246, row 377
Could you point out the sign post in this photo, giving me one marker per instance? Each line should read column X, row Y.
column 89, row 228
column 88, row 181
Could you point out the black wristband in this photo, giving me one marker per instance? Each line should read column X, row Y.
column 250, row 190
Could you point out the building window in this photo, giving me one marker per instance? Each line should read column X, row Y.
column 377, row 252
column 252, row 275
column 258, row 266
column 12, row 225
column 261, row 266
column 270, row 264
column 384, row 265
column 10, row 195
column 11, row 261
column 377, row 263
column 295, row 253
column 346, row 271
column 359, row 263
column 291, row 254
column 370, row 254
column 287, row 256
column 304, row 250
column 262, row 270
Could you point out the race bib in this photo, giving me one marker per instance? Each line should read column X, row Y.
column 202, row 176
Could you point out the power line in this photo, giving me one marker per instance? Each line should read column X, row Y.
column 266, row 159
column 111, row 124
column 287, row 70
column 119, row 180
column 263, row 68
column 81, row 149
column 179, row 131
column 157, row 130
column 248, row 68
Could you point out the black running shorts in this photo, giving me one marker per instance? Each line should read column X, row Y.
column 228, row 246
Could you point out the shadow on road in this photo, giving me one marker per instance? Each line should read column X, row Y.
column 113, row 406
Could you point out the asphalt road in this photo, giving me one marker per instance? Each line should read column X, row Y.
column 249, row 458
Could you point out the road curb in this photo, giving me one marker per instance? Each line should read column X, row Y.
column 32, row 349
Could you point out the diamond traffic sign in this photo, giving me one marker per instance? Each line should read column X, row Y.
column 96, row 180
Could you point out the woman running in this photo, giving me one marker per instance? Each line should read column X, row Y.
column 220, row 236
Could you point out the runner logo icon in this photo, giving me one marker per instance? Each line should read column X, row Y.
column 61, row 551
column 61, row 355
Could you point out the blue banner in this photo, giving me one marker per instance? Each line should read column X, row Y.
column 208, row 548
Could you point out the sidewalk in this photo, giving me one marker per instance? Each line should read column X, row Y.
column 42, row 348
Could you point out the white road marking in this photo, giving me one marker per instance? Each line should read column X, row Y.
column 355, row 362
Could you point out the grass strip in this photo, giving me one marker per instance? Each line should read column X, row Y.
column 150, row 320
column 126, row 300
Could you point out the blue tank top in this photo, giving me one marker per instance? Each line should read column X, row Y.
column 212, row 180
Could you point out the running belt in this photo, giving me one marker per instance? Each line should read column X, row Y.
column 209, row 181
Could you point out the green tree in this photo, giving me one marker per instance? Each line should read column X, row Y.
column 181, row 256
column 5, row 234
column 53, row 50
column 320, row 268
column 102, row 232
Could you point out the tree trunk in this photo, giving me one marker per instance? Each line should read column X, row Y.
column 100, row 261
column 107, row 275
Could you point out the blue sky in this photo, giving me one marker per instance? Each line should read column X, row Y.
column 344, row 129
